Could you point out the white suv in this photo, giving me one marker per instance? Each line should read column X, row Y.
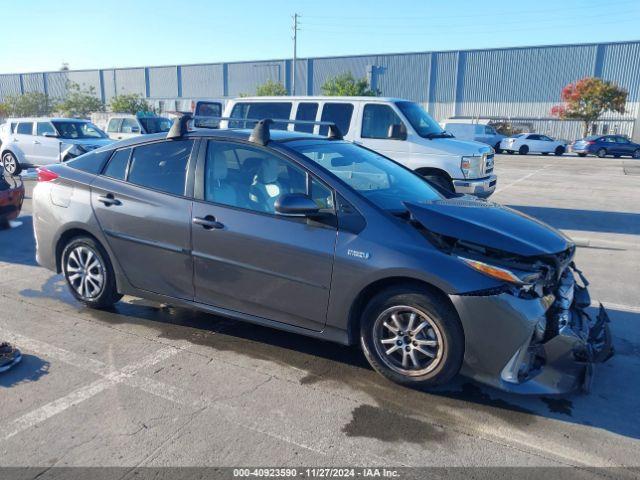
column 32, row 142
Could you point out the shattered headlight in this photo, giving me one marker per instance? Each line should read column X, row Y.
column 522, row 279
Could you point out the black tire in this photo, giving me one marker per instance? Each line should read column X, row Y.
column 9, row 160
column 441, row 181
column 582, row 154
column 497, row 148
column 559, row 151
column 510, row 152
column 636, row 154
column 545, row 153
column 104, row 296
column 443, row 327
column 4, row 223
column 523, row 150
column 601, row 153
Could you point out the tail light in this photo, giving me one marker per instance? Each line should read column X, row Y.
column 591, row 143
column 46, row 175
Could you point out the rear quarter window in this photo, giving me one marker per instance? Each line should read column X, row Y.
column 91, row 162
column 338, row 113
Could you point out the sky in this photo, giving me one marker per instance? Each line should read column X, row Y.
column 41, row 35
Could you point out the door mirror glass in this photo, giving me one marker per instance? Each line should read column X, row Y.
column 296, row 205
column 397, row 131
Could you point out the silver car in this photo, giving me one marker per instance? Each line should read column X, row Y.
column 324, row 238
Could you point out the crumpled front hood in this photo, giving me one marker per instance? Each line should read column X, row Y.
column 490, row 225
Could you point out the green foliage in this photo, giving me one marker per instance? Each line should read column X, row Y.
column 31, row 104
column 129, row 103
column 346, row 85
column 588, row 98
column 80, row 103
column 271, row 89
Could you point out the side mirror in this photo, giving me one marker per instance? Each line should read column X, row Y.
column 296, row 205
column 397, row 131
column 50, row 135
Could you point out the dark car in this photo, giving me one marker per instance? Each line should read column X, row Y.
column 603, row 145
column 325, row 238
column 11, row 198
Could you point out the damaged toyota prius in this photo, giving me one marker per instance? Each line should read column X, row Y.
column 322, row 237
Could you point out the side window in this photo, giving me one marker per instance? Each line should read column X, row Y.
column 92, row 162
column 339, row 113
column 114, row 125
column 44, row 127
column 376, row 121
column 260, row 111
column 161, row 166
column 25, row 128
column 130, row 125
column 308, row 112
column 489, row 130
column 621, row 140
column 117, row 167
column 534, row 137
column 208, row 109
column 250, row 178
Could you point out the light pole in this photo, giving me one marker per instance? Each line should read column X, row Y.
column 295, row 53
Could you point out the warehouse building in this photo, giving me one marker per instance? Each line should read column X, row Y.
column 516, row 85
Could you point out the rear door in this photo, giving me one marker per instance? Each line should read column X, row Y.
column 47, row 149
column 25, row 141
column 141, row 201
column 249, row 259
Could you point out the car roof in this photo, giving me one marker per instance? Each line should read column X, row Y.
column 223, row 133
column 46, row 119
column 319, row 97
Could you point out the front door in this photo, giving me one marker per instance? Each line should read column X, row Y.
column 377, row 120
column 47, row 148
column 249, row 259
column 141, row 206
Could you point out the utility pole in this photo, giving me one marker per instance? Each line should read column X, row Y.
column 295, row 53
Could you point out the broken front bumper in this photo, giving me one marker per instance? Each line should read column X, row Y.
column 533, row 346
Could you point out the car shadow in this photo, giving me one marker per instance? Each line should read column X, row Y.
column 17, row 243
column 30, row 369
column 584, row 220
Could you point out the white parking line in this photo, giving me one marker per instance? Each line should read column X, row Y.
column 529, row 175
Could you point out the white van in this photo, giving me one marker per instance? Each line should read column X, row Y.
column 476, row 132
column 400, row 129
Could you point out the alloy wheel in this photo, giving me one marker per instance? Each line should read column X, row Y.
column 408, row 340
column 9, row 163
column 85, row 272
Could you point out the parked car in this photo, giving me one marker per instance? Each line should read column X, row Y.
column 476, row 132
column 325, row 238
column 34, row 142
column 121, row 126
column 524, row 143
column 11, row 198
column 397, row 128
column 603, row 145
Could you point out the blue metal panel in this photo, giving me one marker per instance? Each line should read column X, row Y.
column 130, row 80
column 244, row 78
column 302, row 66
column 163, row 82
column 9, row 85
column 404, row 76
column 326, row 68
column 202, row 81
column 32, row 82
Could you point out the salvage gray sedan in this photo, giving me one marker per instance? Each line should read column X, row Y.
column 322, row 237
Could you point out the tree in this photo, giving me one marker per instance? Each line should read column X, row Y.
column 345, row 84
column 80, row 103
column 587, row 99
column 30, row 104
column 129, row 103
column 271, row 89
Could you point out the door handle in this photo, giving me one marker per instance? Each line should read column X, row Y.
column 208, row 223
column 36, row 142
column 109, row 200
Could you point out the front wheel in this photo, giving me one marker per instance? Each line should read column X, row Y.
column 636, row 154
column 497, row 148
column 89, row 273
column 11, row 164
column 582, row 154
column 559, row 151
column 523, row 150
column 412, row 337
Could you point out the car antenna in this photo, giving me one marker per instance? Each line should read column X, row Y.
column 180, row 126
column 260, row 133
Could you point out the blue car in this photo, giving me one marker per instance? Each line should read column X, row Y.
column 603, row 145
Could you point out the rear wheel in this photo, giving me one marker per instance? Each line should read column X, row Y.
column 412, row 337
column 523, row 150
column 11, row 164
column 601, row 153
column 636, row 154
column 89, row 273
column 559, row 151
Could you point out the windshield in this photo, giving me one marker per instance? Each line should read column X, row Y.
column 421, row 121
column 380, row 180
column 155, row 124
column 78, row 130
